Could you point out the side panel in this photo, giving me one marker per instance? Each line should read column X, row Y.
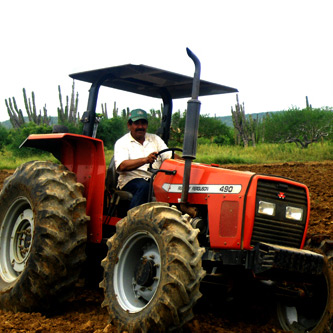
column 85, row 157
column 222, row 190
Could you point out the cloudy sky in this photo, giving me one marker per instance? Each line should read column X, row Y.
column 274, row 52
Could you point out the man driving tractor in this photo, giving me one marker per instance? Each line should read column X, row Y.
column 133, row 153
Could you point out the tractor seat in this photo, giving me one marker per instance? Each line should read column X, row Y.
column 111, row 182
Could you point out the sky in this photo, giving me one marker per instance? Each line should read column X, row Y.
column 274, row 52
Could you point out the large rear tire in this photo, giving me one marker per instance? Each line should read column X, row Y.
column 43, row 232
column 153, row 270
column 314, row 312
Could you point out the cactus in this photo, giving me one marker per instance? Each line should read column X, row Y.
column 15, row 114
column 32, row 110
column 68, row 114
column 308, row 106
column 115, row 111
column 247, row 128
column 125, row 113
column 104, row 111
column 239, row 121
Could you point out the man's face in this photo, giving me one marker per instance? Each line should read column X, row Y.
column 138, row 129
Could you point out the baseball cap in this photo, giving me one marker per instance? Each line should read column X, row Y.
column 138, row 114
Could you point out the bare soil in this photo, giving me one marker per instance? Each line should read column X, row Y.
column 83, row 313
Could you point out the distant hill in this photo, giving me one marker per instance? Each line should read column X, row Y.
column 7, row 124
column 228, row 119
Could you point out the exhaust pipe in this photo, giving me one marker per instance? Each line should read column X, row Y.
column 191, row 127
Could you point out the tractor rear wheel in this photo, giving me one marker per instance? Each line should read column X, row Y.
column 314, row 312
column 43, row 231
column 153, row 270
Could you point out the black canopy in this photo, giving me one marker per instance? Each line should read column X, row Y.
column 149, row 81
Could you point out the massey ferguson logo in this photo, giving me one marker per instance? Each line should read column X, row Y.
column 281, row 195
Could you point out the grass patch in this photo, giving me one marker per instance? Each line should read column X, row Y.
column 212, row 153
column 264, row 153
column 10, row 161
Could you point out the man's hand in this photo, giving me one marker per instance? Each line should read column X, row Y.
column 129, row 165
column 151, row 158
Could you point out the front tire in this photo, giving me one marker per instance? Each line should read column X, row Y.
column 313, row 313
column 153, row 270
column 43, row 232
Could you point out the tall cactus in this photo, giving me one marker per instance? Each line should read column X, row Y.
column 72, row 116
column 239, row 121
column 104, row 111
column 46, row 119
column 115, row 110
column 125, row 113
column 31, row 110
column 308, row 105
column 248, row 129
column 68, row 114
column 15, row 115
column 252, row 125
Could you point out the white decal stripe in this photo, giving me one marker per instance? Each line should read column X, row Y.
column 211, row 189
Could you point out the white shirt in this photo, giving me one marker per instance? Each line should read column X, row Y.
column 127, row 148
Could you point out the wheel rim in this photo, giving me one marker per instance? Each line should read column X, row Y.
column 15, row 239
column 304, row 315
column 137, row 272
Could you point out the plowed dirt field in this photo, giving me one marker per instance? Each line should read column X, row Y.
column 83, row 312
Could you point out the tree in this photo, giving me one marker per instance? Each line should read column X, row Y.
column 154, row 120
column 177, row 128
column 209, row 128
column 302, row 127
column 110, row 130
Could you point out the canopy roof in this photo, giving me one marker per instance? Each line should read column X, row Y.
column 149, row 81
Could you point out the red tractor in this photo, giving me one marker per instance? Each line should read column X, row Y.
column 203, row 224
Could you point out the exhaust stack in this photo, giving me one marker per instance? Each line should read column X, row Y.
column 191, row 127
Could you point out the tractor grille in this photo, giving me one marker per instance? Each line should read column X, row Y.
column 278, row 229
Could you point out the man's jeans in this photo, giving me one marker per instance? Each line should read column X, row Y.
column 140, row 190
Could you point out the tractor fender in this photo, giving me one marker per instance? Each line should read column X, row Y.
column 84, row 156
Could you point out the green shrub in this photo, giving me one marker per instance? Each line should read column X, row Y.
column 110, row 130
column 4, row 139
column 18, row 136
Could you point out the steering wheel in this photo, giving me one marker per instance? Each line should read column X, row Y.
column 164, row 151
column 155, row 171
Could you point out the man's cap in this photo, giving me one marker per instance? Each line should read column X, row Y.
column 138, row 114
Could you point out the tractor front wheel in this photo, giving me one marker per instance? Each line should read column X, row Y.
column 313, row 312
column 153, row 270
column 43, row 232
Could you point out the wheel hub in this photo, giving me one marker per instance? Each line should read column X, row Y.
column 15, row 239
column 145, row 272
column 138, row 272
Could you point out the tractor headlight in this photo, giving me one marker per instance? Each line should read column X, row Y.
column 294, row 213
column 267, row 208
